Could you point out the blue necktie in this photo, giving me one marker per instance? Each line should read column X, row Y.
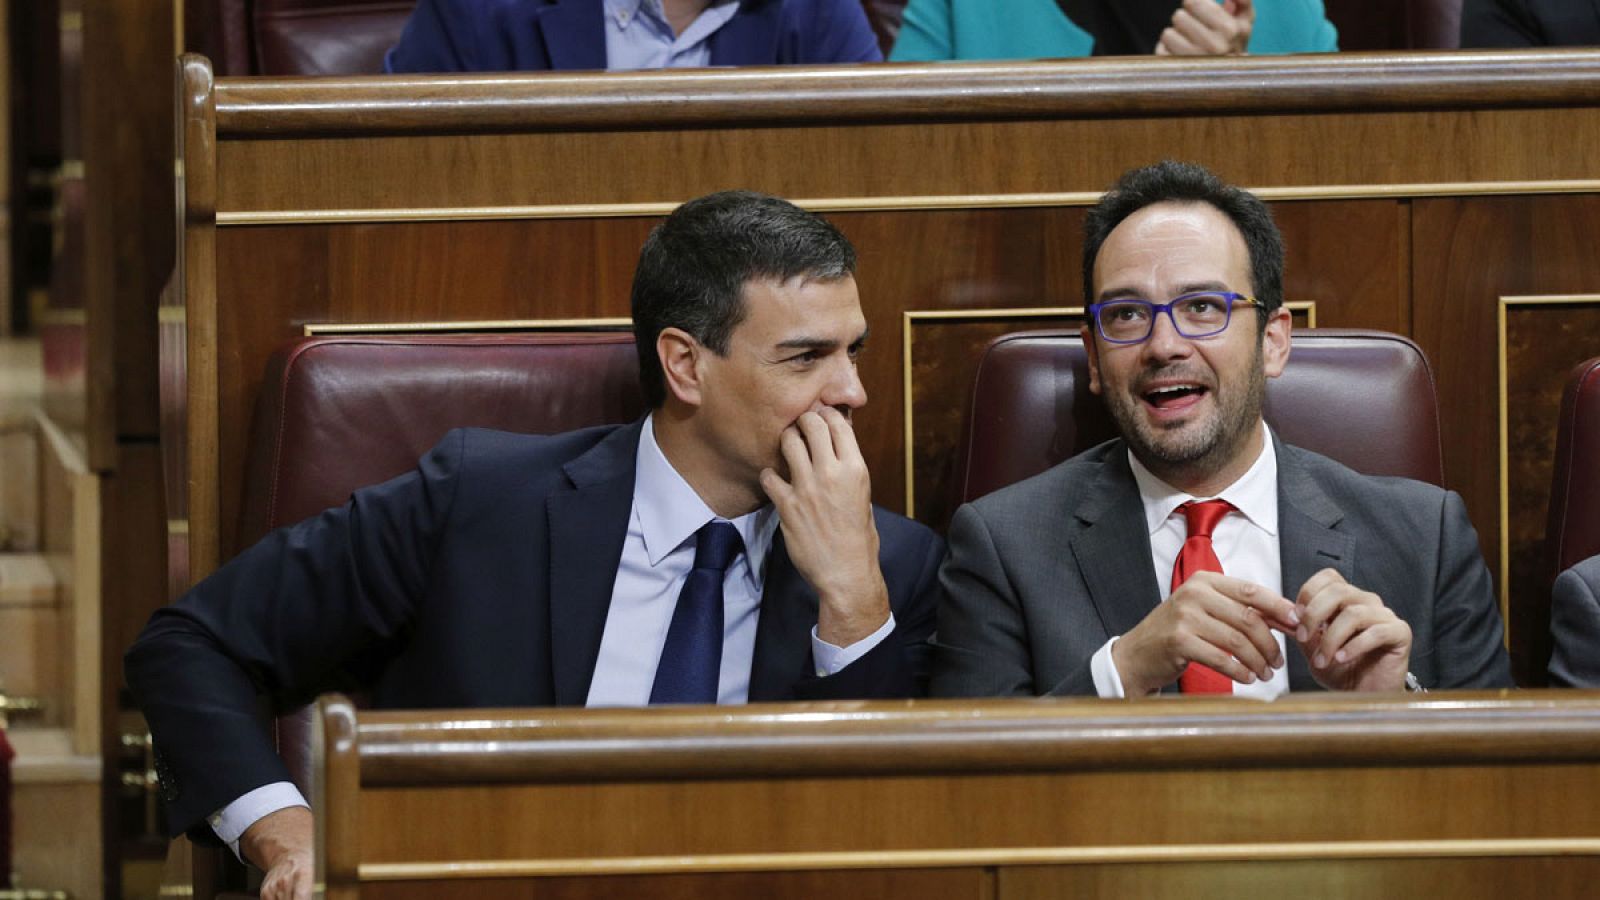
column 691, row 659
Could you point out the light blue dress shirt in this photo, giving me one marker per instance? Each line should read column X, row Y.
column 638, row 36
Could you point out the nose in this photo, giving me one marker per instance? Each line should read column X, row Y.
column 845, row 391
column 1165, row 342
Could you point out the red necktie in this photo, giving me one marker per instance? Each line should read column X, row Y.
column 1198, row 555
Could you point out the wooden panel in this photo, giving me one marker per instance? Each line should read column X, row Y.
column 1470, row 253
column 541, row 797
column 924, row 884
column 1353, row 879
column 57, row 842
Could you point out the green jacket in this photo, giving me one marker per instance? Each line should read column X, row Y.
column 1038, row 29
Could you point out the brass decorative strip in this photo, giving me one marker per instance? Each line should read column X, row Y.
column 172, row 315
column 911, row 317
column 1503, row 402
column 597, row 324
column 880, row 204
column 984, row 856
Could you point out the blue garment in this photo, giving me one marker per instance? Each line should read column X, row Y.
column 638, row 36
column 1038, row 29
column 535, row 35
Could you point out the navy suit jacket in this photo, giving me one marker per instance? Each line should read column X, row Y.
column 536, row 35
column 481, row 579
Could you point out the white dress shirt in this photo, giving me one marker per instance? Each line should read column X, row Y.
column 1246, row 542
column 657, row 555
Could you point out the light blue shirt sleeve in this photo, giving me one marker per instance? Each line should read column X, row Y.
column 232, row 821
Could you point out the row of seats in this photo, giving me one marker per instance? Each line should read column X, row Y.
column 348, row 37
column 340, row 412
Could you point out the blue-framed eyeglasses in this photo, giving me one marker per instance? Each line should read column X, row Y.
column 1198, row 315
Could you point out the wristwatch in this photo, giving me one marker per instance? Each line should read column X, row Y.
column 1413, row 686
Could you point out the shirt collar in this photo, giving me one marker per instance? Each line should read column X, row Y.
column 1254, row 494
column 670, row 511
column 626, row 11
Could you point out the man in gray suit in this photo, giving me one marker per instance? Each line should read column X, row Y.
column 1100, row 576
column 1575, row 626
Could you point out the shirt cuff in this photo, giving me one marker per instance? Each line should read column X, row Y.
column 232, row 821
column 831, row 659
column 1107, row 683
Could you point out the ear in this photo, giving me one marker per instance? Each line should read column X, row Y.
column 1089, row 347
column 680, row 356
column 1275, row 342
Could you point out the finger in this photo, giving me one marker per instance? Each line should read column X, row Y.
column 1177, row 44
column 1209, row 14
column 302, row 885
column 819, row 438
column 1317, row 601
column 1207, row 39
column 1320, row 611
column 796, row 454
column 1278, row 611
column 1210, row 648
column 780, row 492
column 844, row 436
column 1246, row 624
column 1380, row 638
column 1352, row 620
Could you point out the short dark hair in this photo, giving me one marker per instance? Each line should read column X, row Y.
column 1179, row 182
column 694, row 266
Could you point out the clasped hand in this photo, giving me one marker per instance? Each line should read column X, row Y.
column 1208, row 28
column 1354, row 641
column 828, row 532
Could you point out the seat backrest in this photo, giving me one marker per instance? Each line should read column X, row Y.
column 1573, row 532
column 296, row 37
column 338, row 413
column 1396, row 24
column 1364, row 398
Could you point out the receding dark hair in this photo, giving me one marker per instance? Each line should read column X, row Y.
column 1179, row 182
column 694, row 266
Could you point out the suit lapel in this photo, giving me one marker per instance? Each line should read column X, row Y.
column 588, row 525
column 574, row 34
column 783, row 631
column 750, row 38
column 1113, row 551
column 1307, row 544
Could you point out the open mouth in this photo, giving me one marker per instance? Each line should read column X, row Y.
column 1174, row 397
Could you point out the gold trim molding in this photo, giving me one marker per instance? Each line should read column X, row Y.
column 986, row 856
column 912, row 317
column 879, row 204
column 1502, row 401
column 312, row 329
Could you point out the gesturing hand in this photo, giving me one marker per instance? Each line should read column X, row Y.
column 1221, row 622
column 281, row 844
column 826, row 513
column 1354, row 642
column 1208, row 28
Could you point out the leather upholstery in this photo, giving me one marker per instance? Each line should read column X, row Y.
column 337, row 413
column 885, row 16
column 1433, row 24
column 1573, row 533
column 297, row 37
column 1031, row 406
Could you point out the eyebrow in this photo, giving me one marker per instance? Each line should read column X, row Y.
column 1193, row 287
column 816, row 343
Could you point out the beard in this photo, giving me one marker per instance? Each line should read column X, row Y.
column 1191, row 448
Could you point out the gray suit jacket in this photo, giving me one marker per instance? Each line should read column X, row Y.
column 1042, row 573
column 1575, row 626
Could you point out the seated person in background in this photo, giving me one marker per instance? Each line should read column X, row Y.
column 1199, row 550
column 1042, row 29
column 1529, row 23
column 535, row 35
column 1575, row 626
column 723, row 548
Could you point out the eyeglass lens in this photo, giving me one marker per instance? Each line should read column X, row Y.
column 1196, row 315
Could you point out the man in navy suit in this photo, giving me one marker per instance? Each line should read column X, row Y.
column 535, row 35
column 572, row 569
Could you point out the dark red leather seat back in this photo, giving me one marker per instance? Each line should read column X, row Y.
column 337, row 413
column 1573, row 533
column 1364, row 398
column 296, row 37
